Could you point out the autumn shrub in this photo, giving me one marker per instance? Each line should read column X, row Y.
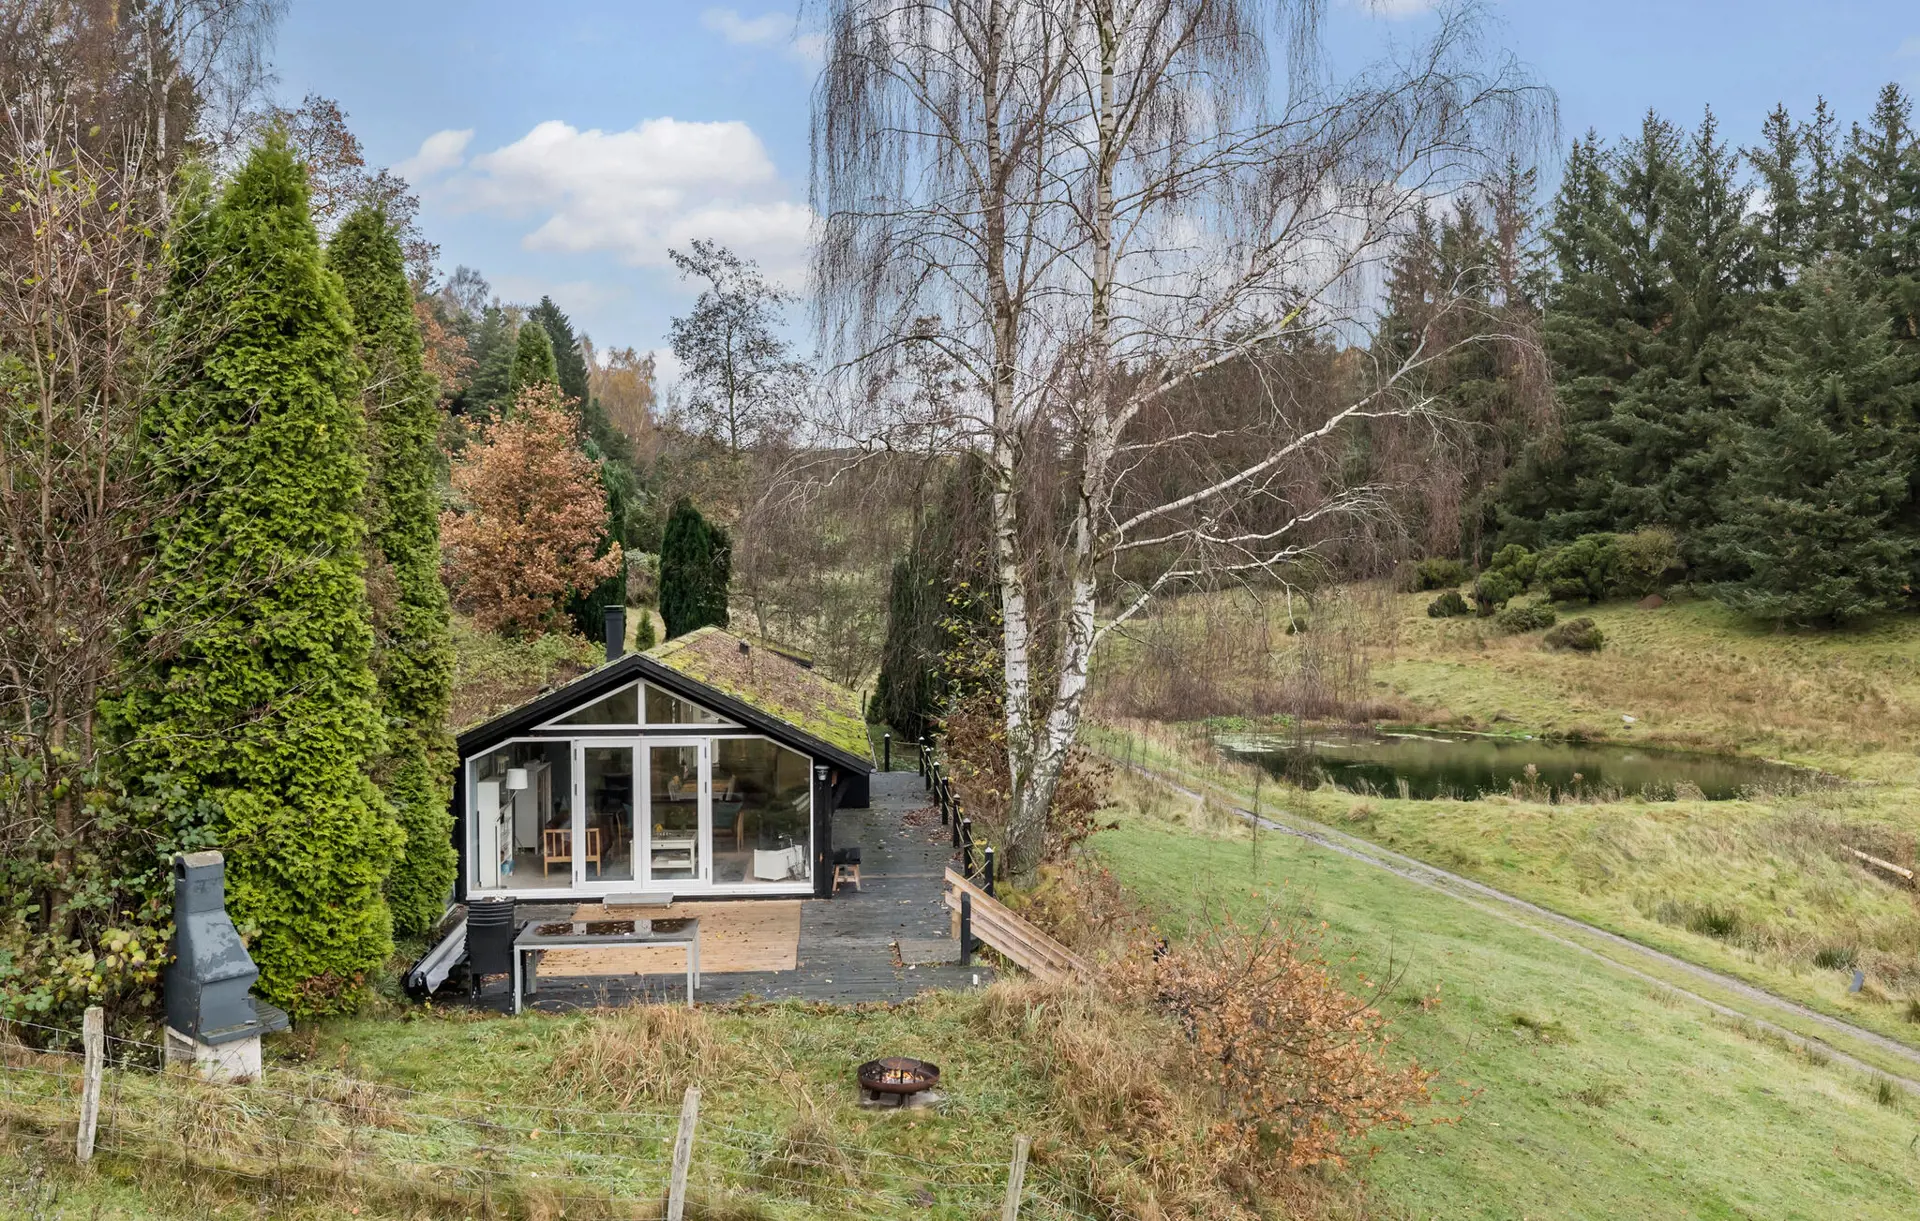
column 531, row 515
column 1299, row 1067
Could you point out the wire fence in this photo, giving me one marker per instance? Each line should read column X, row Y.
column 297, row 1132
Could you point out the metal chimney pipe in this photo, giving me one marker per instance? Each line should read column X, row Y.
column 616, row 632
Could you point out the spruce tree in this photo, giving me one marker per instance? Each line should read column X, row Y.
column 489, row 389
column 696, row 565
column 258, row 730
column 1821, row 476
column 570, row 367
column 413, row 649
column 532, row 358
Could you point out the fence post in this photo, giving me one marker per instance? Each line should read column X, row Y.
column 966, row 928
column 986, row 872
column 886, row 751
column 683, row 1154
column 1016, row 1178
column 93, row 1039
column 966, row 848
column 926, row 769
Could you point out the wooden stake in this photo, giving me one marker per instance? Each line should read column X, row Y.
column 93, row 1038
column 683, row 1154
column 1016, row 1177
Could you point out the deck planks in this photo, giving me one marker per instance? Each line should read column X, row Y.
column 845, row 951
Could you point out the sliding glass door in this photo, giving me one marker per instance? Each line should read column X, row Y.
column 678, row 828
column 600, row 846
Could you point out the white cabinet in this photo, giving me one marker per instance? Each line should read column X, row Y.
column 493, row 835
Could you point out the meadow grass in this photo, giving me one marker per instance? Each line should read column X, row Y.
column 1595, row 1095
column 1762, row 889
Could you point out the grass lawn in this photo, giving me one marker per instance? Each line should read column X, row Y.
column 1599, row 1096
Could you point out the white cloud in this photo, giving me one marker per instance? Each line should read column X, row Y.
column 766, row 30
column 574, row 296
column 634, row 193
column 441, row 151
column 748, row 31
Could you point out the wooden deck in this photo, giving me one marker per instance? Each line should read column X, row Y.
column 889, row 941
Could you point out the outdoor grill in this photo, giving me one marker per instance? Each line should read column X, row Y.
column 896, row 1079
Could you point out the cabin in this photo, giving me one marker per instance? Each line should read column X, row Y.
column 708, row 766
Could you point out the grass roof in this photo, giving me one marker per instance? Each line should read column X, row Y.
column 771, row 682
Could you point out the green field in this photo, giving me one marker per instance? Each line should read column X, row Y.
column 1597, row 1095
column 1763, row 889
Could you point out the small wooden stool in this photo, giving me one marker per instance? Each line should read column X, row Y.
column 846, row 867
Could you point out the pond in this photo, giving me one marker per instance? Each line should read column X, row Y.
column 1427, row 764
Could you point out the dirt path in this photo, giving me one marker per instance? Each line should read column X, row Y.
column 1516, row 910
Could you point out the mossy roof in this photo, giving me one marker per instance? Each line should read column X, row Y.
column 777, row 685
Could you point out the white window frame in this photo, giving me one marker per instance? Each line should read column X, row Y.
column 560, row 724
column 583, row 888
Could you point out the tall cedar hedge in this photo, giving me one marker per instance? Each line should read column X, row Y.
column 413, row 649
column 696, row 563
column 259, row 731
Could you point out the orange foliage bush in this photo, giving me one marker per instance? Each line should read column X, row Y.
column 533, row 513
column 1299, row 1067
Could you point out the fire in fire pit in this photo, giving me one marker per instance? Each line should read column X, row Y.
column 896, row 1079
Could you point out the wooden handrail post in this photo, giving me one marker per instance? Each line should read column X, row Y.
column 886, row 752
column 1016, row 1178
column 986, row 872
column 93, row 1039
column 683, row 1154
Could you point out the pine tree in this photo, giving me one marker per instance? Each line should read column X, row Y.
column 413, row 651
column 696, row 566
column 532, row 358
column 1822, row 474
column 258, row 730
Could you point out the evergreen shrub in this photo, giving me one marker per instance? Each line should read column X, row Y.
column 259, row 730
column 1439, row 572
column 413, row 646
column 696, row 564
column 1528, row 617
column 1580, row 635
column 1449, row 605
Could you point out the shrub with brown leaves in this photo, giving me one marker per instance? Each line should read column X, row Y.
column 1298, row 1066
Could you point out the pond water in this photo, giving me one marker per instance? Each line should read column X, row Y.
column 1465, row 766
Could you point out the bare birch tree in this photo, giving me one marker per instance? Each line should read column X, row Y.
column 1094, row 208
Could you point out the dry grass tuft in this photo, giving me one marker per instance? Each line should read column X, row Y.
column 638, row 1054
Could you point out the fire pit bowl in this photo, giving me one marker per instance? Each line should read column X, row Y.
column 897, row 1079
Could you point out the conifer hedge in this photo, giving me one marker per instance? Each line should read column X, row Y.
column 696, row 563
column 413, row 648
column 258, row 732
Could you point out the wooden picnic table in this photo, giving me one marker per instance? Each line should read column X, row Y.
column 542, row 935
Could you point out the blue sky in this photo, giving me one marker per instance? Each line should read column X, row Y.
column 562, row 149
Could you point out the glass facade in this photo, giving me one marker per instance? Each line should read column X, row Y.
column 683, row 802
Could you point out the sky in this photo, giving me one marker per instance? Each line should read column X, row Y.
column 564, row 149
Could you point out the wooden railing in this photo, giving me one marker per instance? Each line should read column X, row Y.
column 998, row 927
